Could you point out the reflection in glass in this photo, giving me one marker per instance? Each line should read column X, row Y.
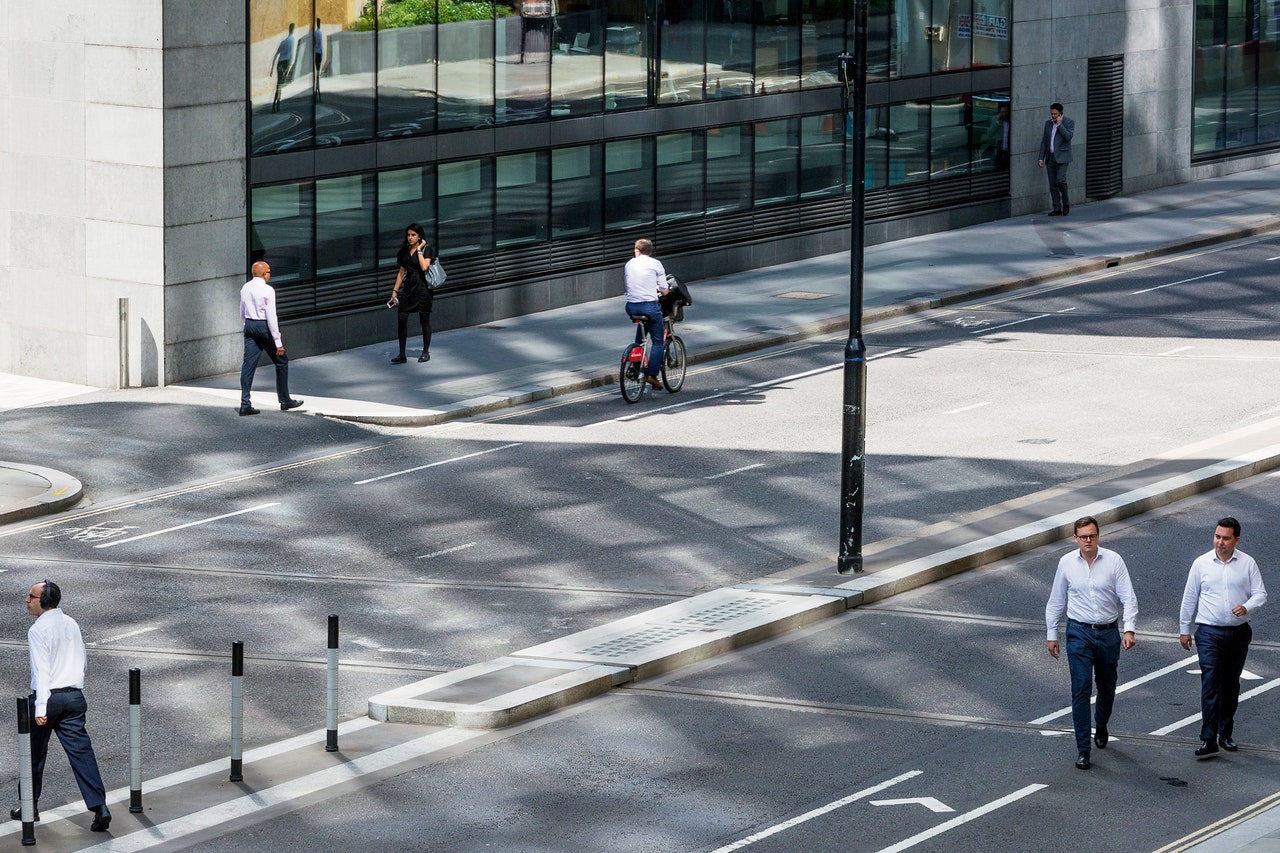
column 341, row 58
column 777, row 151
column 406, row 67
column 949, row 148
column 992, row 25
column 822, row 147
column 679, row 162
column 628, row 180
column 882, row 40
column 777, row 44
column 953, row 41
column 465, row 64
column 729, row 42
column 280, row 230
column 577, row 60
column 344, row 225
column 683, row 51
column 992, row 132
column 876, row 167
column 521, row 199
column 465, row 204
column 575, row 191
column 627, row 40
column 822, row 34
column 405, row 196
column 908, row 142
column 728, row 161
column 280, row 77
column 522, row 67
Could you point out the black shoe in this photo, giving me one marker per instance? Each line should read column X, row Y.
column 1228, row 744
column 16, row 813
column 1055, row 213
column 426, row 356
column 101, row 820
column 399, row 360
column 248, row 410
column 1206, row 749
column 292, row 404
column 1082, row 761
column 1100, row 737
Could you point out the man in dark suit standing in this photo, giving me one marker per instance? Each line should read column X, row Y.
column 1055, row 156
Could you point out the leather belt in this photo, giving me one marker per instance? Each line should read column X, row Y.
column 65, row 690
column 1097, row 626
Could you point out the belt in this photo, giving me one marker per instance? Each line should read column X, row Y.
column 1222, row 627
column 1097, row 626
column 65, row 690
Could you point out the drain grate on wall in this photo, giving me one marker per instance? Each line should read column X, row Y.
column 801, row 294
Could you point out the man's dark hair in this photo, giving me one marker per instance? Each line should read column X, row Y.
column 51, row 597
column 644, row 246
column 1057, row 106
column 1085, row 522
column 1231, row 523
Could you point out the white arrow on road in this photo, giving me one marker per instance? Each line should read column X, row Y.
column 928, row 802
column 1245, row 675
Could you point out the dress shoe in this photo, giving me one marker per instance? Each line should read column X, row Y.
column 16, row 813
column 654, row 382
column 101, row 819
column 292, row 404
column 1206, row 749
column 426, row 356
column 248, row 410
column 1055, row 213
column 1082, row 761
column 1100, row 737
column 1066, row 208
column 1228, row 744
column 399, row 360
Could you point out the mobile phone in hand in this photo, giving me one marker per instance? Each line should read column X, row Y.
column 392, row 302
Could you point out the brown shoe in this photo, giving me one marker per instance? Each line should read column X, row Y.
column 654, row 382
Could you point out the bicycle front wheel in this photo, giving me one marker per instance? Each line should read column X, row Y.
column 631, row 379
column 673, row 365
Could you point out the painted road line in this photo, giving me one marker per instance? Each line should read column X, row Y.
column 964, row 818
column 1065, row 310
column 288, row 792
column 188, row 524
column 1172, row 283
column 190, row 774
column 124, row 636
column 1007, row 325
column 734, row 471
column 1195, row 718
column 818, row 812
column 446, row 551
column 434, row 464
column 1174, row 350
column 1248, row 814
column 968, row 408
column 1128, row 685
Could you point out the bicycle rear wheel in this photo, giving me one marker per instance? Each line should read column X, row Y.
column 673, row 365
column 631, row 378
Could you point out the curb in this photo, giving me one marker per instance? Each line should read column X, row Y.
column 59, row 491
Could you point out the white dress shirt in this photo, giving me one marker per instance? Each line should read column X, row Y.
column 57, row 655
column 646, row 278
column 1091, row 594
column 258, row 302
column 1214, row 587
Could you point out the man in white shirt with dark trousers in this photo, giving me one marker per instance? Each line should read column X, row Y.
column 1224, row 587
column 646, row 281
column 262, row 334
column 1092, row 587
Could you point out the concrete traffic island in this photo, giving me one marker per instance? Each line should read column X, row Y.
column 30, row 490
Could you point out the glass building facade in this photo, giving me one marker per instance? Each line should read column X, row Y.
column 1237, row 77
column 540, row 139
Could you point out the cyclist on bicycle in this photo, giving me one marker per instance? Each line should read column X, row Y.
column 646, row 282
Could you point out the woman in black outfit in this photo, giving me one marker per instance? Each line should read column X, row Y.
column 411, row 293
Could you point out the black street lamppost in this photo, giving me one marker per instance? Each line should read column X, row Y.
column 853, row 79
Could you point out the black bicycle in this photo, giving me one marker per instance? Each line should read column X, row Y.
column 631, row 375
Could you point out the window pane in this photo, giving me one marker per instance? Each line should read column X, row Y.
column 406, row 67
column 777, row 65
column 575, row 191
column 949, row 138
column 777, row 152
column 344, row 225
column 1207, row 110
column 684, row 53
column 465, row 51
column 405, row 197
column 280, row 77
column 577, row 63
column 466, row 206
column 728, row 163
column 992, row 132
column 991, row 30
column 679, row 162
column 628, row 183
column 280, row 230
column 729, row 63
column 340, row 57
column 626, row 50
column 822, row 155
column 876, row 168
column 914, row 37
column 521, row 214
column 881, row 39
column 908, row 142
column 522, row 71
column 953, row 41
column 823, row 41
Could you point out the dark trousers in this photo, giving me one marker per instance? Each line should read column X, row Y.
column 257, row 340
column 402, row 329
column 652, row 314
column 1222, row 651
column 1091, row 655
column 1057, row 183
column 65, row 713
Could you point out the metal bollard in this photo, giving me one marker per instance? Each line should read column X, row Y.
column 237, row 709
column 24, row 773
column 135, row 740
column 331, row 705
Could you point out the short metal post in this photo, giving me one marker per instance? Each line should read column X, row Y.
column 24, row 773
column 123, row 303
column 237, row 709
column 135, row 740
column 331, row 705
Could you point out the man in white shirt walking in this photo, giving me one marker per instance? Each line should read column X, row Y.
column 1091, row 588
column 57, row 701
column 262, row 334
column 1224, row 587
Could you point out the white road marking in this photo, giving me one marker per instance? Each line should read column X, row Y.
column 446, row 551
column 1245, row 675
column 818, row 812
column 434, row 464
column 1195, row 718
column 188, row 524
column 1128, row 685
column 968, row 408
column 734, row 471
column 1065, row 310
column 964, row 818
column 1172, row 283
column 287, row 792
column 929, row 803
column 1007, row 325
column 1276, row 258
column 124, row 636
column 1175, row 350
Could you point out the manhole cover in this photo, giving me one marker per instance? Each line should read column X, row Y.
column 801, row 294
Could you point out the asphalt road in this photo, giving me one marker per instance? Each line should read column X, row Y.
column 450, row 545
